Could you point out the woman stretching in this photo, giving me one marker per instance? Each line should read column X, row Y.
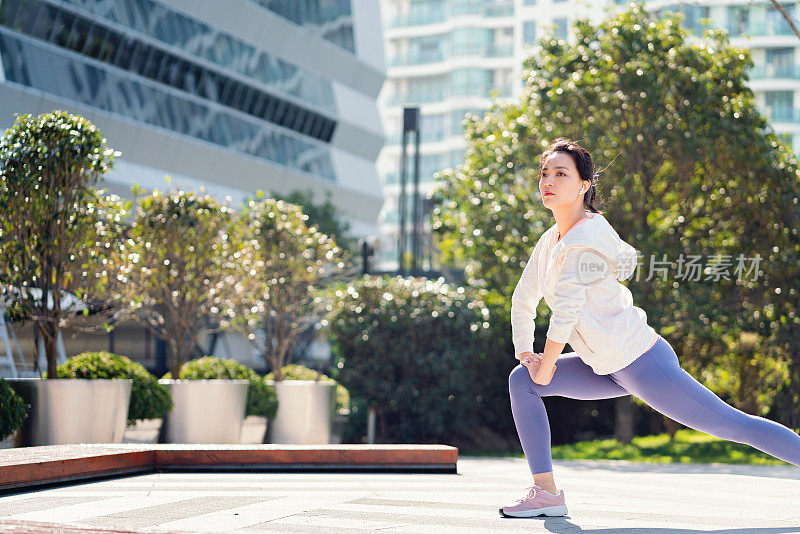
column 576, row 266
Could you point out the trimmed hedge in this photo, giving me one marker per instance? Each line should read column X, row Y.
column 261, row 397
column 149, row 399
column 409, row 346
column 294, row 371
column 13, row 410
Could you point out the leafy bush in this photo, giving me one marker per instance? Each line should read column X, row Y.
column 300, row 372
column 13, row 410
column 261, row 397
column 408, row 345
column 149, row 399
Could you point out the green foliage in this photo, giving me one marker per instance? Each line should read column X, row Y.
column 407, row 345
column 58, row 234
column 13, row 410
column 149, row 399
column 184, row 267
column 294, row 371
column 326, row 217
column 686, row 446
column 261, row 397
column 747, row 374
column 691, row 169
column 284, row 259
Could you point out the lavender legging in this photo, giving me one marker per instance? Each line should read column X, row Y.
column 656, row 378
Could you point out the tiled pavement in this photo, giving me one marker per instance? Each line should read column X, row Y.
column 603, row 497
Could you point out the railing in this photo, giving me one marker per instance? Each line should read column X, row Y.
column 783, row 114
column 481, row 49
column 456, row 50
column 417, row 58
column 759, row 29
column 482, row 90
column 421, row 97
column 761, row 72
column 439, row 12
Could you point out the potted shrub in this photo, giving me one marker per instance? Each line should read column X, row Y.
column 149, row 400
column 312, row 407
column 184, row 269
column 60, row 238
column 275, row 306
column 13, row 412
column 259, row 405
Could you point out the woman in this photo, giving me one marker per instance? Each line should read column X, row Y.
column 576, row 266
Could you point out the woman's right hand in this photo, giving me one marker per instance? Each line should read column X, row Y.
column 527, row 354
column 531, row 361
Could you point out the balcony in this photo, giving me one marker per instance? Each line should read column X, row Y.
column 432, row 136
column 771, row 72
column 481, row 90
column 482, row 7
column 783, row 114
column 417, row 97
column 481, row 49
column 417, row 58
column 760, row 29
column 487, row 50
column 440, row 12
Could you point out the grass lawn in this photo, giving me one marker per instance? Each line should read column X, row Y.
column 687, row 446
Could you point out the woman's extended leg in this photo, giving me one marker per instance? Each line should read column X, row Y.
column 657, row 378
column 574, row 379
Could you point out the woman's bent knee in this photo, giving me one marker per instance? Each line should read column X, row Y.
column 519, row 379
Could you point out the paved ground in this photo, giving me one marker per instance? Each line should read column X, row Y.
column 603, row 497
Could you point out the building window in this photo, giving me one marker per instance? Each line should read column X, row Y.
column 561, row 27
column 529, row 33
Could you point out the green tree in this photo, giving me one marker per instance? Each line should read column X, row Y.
column 286, row 258
column 694, row 169
column 184, row 268
column 59, row 235
column 326, row 217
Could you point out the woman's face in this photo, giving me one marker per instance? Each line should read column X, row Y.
column 559, row 183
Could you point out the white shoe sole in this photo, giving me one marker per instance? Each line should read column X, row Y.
column 549, row 511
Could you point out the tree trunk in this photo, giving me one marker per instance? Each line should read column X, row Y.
column 49, row 332
column 623, row 424
column 671, row 426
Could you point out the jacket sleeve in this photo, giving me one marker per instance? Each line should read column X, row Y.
column 524, row 300
column 578, row 268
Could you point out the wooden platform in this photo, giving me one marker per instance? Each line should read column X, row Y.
column 31, row 466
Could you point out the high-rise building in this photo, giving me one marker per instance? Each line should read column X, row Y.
column 763, row 30
column 449, row 57
column 232, row 96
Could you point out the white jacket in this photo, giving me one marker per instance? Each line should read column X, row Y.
column 579, row 276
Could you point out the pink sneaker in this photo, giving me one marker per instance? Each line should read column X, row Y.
column 537, row 502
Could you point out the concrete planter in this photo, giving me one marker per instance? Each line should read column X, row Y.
column 72, row 410
column 8, row 443
column 205, row 411
column 254, row 429
column 144, row 431
column 305, row 412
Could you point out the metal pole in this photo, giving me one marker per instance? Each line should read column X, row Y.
column 401, row 243
column 415, row 249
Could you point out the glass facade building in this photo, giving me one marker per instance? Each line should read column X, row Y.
column 184, row 73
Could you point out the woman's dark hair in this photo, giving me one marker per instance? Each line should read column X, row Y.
column 583, row 162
